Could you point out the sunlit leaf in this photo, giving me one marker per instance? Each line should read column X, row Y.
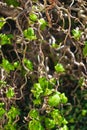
column 5, row 39
column 76, row 34
column 7, row 65
column 12, row 2
column 10, row 93
column 34, row 114
column 2, row 112
column 43, row 23
column 37, row 90
column 33, row 17
column 50, row 123
column 59, row 68
column 29, row 34
column 35, row 125
column 54, row 100
column 85, row 49
column 2, row 22
column 13, row 112
column 28, row 64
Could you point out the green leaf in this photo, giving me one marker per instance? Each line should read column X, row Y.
column 49, row 123
column 10, row 93
column 7, row 65
column 59, row 68
column 1, row 104
column 45, row 83
column 48, row 91
column 29, row 34
column 37, row 90
column 37, row 101
column 63, row 98
column 33, row 17
column 55, row 113
column 2, row 112
column 85, row 49
column 84, row 112
column 76, row 34
column 64, row 128
column 35, row 125
column 12, row 2
column 81, row 81
column 5, row 39
column 28, row 64
column 10, row 126
column 43, row 24
column 13, row 112
column 2, row 82
column 54, row 100
column 2, row 22
column 16, row 65
column 59, row 119
column 34, row 114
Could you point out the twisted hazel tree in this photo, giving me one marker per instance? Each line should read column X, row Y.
column 43, row 65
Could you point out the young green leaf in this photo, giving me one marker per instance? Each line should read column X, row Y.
column 5, row 39
column 59, row 68
column 76, row 34
column 85, row 49
column 49, row 123
column 43, row 23
column 2, row 22
column 28, row 64
column 37, row 90
column 7, row 65
column 84, row 112
column 10, row 126
column 37, row 101
column 81, row 81
column 12, row 2
column 10, row 93
column 64, row 128
column 13, row 112
column 2, row 112
column 35, row 125
column 33, row 17
column 63, row 98
column 2, row 82
column 17, row 65
column 29, row 34
column 34, row 114
column 54, row 100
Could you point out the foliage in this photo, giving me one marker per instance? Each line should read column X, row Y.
column 5, row 39
column 29, row 34
column 43, row 65
column 76, row 34
column 12, row 2
column 59, row 68
column 2, row 22
column 85, row 49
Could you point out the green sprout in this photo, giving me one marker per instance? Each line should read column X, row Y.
column 10, row 92
column 85, row 49
column 54, row 100
column 28, row 64
column 2, row 22
column 33, row 17
column 29, row 34
column 43, row 23
column 7, row 66
column 5, row 39
column 76, row 34
column 59, row 68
